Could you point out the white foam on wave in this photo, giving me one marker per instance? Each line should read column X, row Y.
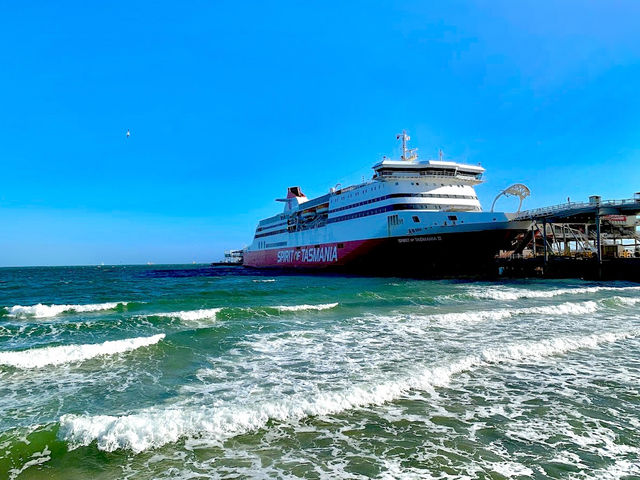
column 298, row 308
column 506, row 293
column 553, row 346
column 191, row 315
column 157, row 426
column 266, row 280
column 568, row 308
column 626, row 300
column 41, row 357
column 211, row 313
column 44, row 311
column 37, row 458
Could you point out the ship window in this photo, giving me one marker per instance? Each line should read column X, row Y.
column 341, row 245
column 416, row 219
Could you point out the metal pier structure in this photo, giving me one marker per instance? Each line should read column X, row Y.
column 596, row 239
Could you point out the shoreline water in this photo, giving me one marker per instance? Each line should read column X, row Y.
column 249, row 375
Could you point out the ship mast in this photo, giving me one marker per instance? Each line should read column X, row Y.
column 408, row 154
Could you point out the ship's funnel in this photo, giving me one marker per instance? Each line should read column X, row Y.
column 293, row 192
column 295, row 198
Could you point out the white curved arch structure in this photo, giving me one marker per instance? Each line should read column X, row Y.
column 516, row 190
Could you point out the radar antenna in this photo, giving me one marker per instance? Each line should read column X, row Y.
column 516, row 190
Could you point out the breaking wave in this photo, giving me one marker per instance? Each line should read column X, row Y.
column 492, row 293
column 40, row 357
column 568, row 308
column 230, row 312
column 157, row 426
column 45, row 311
column 625, row 300
column 299, row 308
column 191, row 315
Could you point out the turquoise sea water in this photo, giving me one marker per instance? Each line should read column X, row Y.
column 195, row 372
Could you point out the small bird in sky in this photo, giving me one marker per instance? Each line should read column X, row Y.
column 128, row 133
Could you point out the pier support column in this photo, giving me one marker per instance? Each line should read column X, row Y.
column 598, row 244
column 544, row 240
column 534, row 227
column 598, row 237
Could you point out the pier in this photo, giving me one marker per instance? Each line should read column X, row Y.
column 596, row 240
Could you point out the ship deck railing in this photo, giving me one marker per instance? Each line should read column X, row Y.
column 427, row 174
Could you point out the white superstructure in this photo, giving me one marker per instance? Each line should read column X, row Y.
column 405, row 198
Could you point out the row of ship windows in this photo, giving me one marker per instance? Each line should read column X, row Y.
column 356, row 193
column 401, row 195
column 386, row 197
column 366, row 213
column 350, row 195
column 275, row 244
column 416, row 219
column 263, row 244
column 387, row 208
column 267, row 222
column 259, row 229
column 275, row 232
column 373, row 188
column 393, row 219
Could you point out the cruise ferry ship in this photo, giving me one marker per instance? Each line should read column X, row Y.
column 413, row 217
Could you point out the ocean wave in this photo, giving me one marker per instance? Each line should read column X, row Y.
column 266, row 280
column 625, row 300
column 506, row 293
column 45, row 311
column 568, row 308
column 191, row 315
column 40, row 357
column 230, row 312
column 300, row 308
column 157, row 426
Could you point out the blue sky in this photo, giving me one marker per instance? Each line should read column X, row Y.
column 228, row 103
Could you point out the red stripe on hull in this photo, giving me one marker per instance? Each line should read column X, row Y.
column 415, row 255
column 326, row 255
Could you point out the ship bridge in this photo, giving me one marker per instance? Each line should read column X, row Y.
column 430, row 168
column 409, row 167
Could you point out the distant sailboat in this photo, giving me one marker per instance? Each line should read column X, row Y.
column 128, row 133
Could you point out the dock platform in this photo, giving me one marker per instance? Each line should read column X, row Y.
column 593, row 240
